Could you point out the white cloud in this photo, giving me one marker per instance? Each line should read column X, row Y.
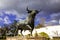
column 52, row 15
column 53, row 21
column 6, row 20
column 22, row 21
column 55, row 16
column 1, row 13
column 7, row 3
column 1, row 19
column 59, row 21
column 20, row 5
column 14, row 12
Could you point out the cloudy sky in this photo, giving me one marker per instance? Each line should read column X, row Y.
column 16, row 10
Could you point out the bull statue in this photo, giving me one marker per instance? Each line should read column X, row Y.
column 29, row 22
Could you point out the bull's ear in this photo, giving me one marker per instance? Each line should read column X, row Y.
column 29, row 11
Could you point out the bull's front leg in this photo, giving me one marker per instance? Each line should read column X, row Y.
column 21, row 32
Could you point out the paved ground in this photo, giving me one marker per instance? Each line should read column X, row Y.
column 16, row 38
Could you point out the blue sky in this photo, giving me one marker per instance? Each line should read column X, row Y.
column 9, row 16
column 11, row 10
column 16, row 10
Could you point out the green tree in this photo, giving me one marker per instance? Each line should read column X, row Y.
column 39, row 26
column 14, row 28
column 43, row 34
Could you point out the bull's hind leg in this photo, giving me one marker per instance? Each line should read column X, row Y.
column 21, row 32
column 31, row 32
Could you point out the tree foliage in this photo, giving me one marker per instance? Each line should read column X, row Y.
column 39, row 26
column 14, row 28
column 43, row 34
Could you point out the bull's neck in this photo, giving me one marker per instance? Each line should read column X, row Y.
column 31, row 19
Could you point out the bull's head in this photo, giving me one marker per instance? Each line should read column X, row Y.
column 32, row 11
